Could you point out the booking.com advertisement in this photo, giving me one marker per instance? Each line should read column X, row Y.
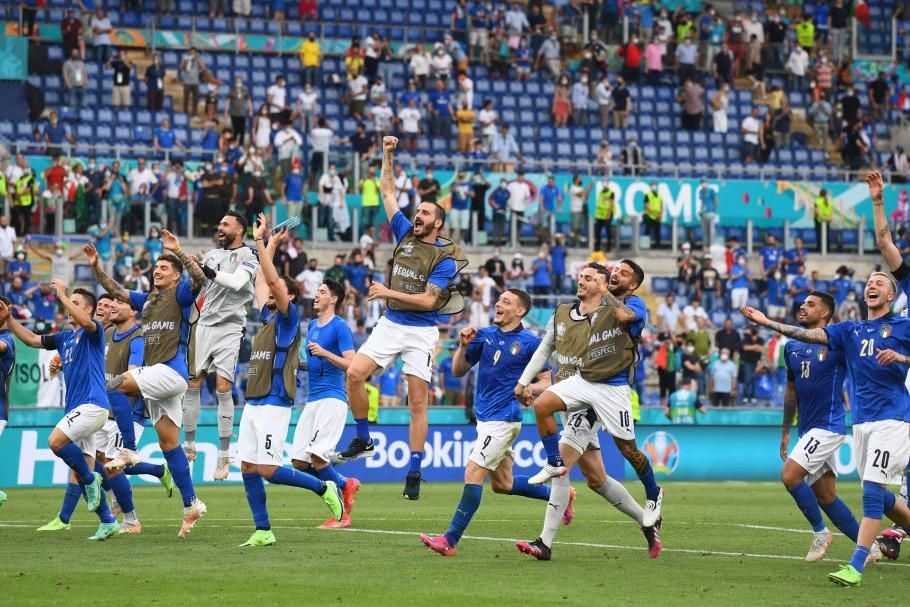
column 676, row 453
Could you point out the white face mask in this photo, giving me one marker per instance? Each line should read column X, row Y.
column 690, row 349
column 725, row 357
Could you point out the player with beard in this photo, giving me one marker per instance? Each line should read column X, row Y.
column 568, row 336
column 216, row 336
column 420, row 293
column 7, row 358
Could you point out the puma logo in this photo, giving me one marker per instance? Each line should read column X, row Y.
column 555, row 506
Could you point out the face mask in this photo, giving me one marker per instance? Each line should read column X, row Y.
column 725, row 357
column 777, row 276
column 332, row 172
column 851, row 296
column 690, row 349
column 58, row 251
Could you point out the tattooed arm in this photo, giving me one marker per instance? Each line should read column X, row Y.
column 810, row 336
column 109, row 284
column 387, row 178
column 424, row 301
column 197, row 276
column 624, row 313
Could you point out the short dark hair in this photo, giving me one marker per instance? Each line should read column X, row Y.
column 105, row 296
column 293, row 287
column 639, row 273
column 336, row 289
column 89, row 297
column 827, row 299
column 600, row 269
column 240, row 219
column 171, row 259
column 524, row 300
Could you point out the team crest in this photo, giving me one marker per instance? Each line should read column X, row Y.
column 822, row 354
column 560, row 330
column 233, row 257
column 407, row 249
column 514, row 348
column 885, row 331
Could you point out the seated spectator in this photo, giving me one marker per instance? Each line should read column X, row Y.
column 548, row 55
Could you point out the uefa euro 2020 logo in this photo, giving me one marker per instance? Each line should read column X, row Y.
column 663, row 451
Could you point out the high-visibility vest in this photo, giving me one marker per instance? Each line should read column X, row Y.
column 3, row 191
column 24, row 193
column 605, row 204
column 805, row 34
column 823, row 208
column 653, row 206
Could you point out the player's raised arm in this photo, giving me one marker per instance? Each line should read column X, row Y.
column 460, row 363
column 387, row 178
column 267, row 269
column 109, row 284
column 197, row 276
column 25, row 335
column 890, row 253
column 78, row 314
column 812, row 336
column 540, row 358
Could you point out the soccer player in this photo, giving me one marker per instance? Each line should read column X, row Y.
column 328, row 354
column 7, row 358
column 82, row 353
column 231, row 270
column 815, row 375
column 162, row 380
column 424, row 268
column 270, row 393
column 568, row 334
column 501, row 352
column 890, row 540
column 876, row 353
column 601, row 384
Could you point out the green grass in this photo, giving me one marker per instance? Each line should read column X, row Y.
column 598, row 560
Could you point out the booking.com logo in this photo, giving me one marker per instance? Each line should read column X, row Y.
column 446, row 452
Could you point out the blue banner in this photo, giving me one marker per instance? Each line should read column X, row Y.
column 688, row 453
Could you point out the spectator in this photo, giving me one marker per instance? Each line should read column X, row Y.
column 140, row 179
column 708, row 285
column 71, row 33
column 124, row 254
column 631, row 64
column 692, row 100
column 548, row 55
column 409, row 119
column 632, row 157
column 751, row 131
column 239, row 108
column 390, row 387
column 521, row 194
column 686, row 59
column 153, row 244
column 136, row 280
column 310, row 59
column 603, row 95
column 177, row 199
column 562, row 105
column 772, row 256
column 190, row 71
column 797, row 66
column 580, row 97
column 441, row 64
column 879, row 93
column 766, row 138
column 621, row 104
column 75, row 79
column 668, row 315
column 694, row 311
column 20, row 267
column 805, row 33
column 320, row 145
column 7, row 238
column 722, row 380
column 739, row 283
column 441, row 112
column 20, row 300
column 101, row 35
column 707, row 199
column 504, row 149
column 800, row 287
column 523, row 57
column 776, row 35
column 516, row 277
column 420, row 66
column 666, row 359
column 752, row 349
column 481, row 23
column 653, row 215
column 464, row 119
column 164, row 137
column 499, row 201
column 276, row 97
column 849, row 309
column 654, row 61
column 154, row 84
column 488, row 118
column 357, row 274
column 722, row 66
column 854, row 148
column 899, row 165
column 242, row 8
column 428, row 188
column 839, row 19
column 122, row 91
column 776, row 296
column 851, row 106
column 782, row 117
column 819, row 117
column 541, row 270
column 550, row 201
column 822, row 217
column 56, row 135
column 684, row 402
column 795, row 257
column 460, row 214
column 479, row 188
column 331, row 197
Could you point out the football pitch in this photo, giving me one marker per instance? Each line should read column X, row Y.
column 724, row 544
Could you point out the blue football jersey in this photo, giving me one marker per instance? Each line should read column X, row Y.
column 879, row 391
column 502, row 358
column 82, row 355
column 818, row 374
column 327, row 380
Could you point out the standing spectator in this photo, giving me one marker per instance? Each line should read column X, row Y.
column 75, row 78
column 464, row 118
column 578, row 208
column 668, row 315
column 452, row 384
column 420, row 66
column 428, row 188
column 409, row 118
column 653, row 215
column 581, row 93
column 805, row 33
column 441, row 64
column 310, row 59
column 56, row 134
column 666, row 359
column 707, row 285
column 154, row 84
column 722, row 66
column 707, row 199
column 504, row 149
column 899, row 165
column 320, row 144
column 772, row 256
column 521, row 194
column 800, row 287
column 693, row 104
column 687, row 59
column 822, row 216
column 164, row 138
column 603, row 95
column 71, row 33
column 632, row 157
column 122, row 90
column 262, row 130
column 621, row 104
column 305, row 110
column 331, row 188
column 309, row 280
column 460, row 214
column 751, row 131
column 441, row 112
column 879, row 94
column 766, row 138
column 479, row 39
column 686, row 270
column 739, row 283
column 479, row 188
column 562, row 104
column 140, row 179
column 819, row 117
column 654, row 61
column 523, row 57
column 839, row 21
column 488, row 118
column 242, row 8
column 550, row 203
column 684, row 402
column 728, row 339
column 854, row 148
column 782, row 117
column 797, row 66
column 7, row 238
column 753, row 347
column 287, row 146
column 794, row 257
column 382, row 116
column 549, row 56
column 604, row 212
column 722, row 380
column 101, row 35
column 239, row 109
column 276, row 97
column 190, row 70
column 776, row 37
column 499, row 202
column 541, row 270
column 369, row 196
column 631, row 64
column 358, row 87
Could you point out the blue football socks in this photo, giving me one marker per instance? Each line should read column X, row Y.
column 520, row 486
column 470, row 502
column 328, row 473
column 806, row 501
column 123, row 415
column 363, row 427
column 652, row 490
column 156, row 470
column 842, row 517
column 180, row 470
column 416, row 460
column 120, row 485
column 255, row 496
column 859, row 558
column 70, row 501
column 551, row 447
column 72, row 455
column 296, row 478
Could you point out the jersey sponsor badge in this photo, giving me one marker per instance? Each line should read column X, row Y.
column 822, row 354
column 515, row 348
column 885, row 331
column 407, row 249
column 560, row 329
